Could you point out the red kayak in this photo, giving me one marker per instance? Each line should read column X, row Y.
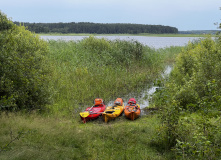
column 93, row 112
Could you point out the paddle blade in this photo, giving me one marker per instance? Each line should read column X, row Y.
column 84, row 114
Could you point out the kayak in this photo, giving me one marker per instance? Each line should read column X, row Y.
column 114, row 111
column 93, row 112
column 132, row 110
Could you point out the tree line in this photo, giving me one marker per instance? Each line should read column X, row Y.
column 97, row 28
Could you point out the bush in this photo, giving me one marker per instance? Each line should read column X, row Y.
column 23, row 73
column 191, row 102
column 5, row 23
column 195, row 69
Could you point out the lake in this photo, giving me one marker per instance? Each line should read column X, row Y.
column 155, row 42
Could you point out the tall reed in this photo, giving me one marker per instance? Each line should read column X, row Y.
column 93, row 67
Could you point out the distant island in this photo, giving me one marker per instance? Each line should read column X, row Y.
column 98, row 28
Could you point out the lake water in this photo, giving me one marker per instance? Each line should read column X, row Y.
column 155, row 42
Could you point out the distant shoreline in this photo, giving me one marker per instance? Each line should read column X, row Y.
column 143, row 34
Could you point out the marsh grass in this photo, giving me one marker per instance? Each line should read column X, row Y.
column 91, row 68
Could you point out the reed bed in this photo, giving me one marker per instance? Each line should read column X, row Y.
column 91, row 68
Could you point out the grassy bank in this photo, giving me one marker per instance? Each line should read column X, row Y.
column 53, row 138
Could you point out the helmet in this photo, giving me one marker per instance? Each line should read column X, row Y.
column 98, row 101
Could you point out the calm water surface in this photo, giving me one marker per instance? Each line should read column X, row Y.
column 155, row 42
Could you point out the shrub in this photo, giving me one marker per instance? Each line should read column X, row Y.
column 23, row 70
column 5, row 23
column 195, row 68
column 193, row 88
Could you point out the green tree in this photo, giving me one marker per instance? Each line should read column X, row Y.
column 23, row 73
column 191, row 102
column 5, row 23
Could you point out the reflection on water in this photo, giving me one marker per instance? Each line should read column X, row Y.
column 155, row 42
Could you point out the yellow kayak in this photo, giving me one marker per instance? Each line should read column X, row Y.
column 114, row 111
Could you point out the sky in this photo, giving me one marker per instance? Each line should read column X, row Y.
column 183, row 14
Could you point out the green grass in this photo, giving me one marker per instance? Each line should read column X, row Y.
column 91, row 68
column 63, row 138
column 80, row 72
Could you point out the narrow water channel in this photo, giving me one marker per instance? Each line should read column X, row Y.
column 144, row 97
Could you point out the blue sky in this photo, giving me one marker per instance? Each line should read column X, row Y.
column 182, row 14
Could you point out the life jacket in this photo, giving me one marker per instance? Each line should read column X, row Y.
column 118, row 101
column 98, row 102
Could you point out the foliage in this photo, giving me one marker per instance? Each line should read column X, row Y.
column 193, row 88
column 96, row 67
column 5, row 23
column 23, row 68
column 98, row 28
column 199, row 138
column 197, row 70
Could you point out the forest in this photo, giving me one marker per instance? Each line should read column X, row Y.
column 97, row 28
